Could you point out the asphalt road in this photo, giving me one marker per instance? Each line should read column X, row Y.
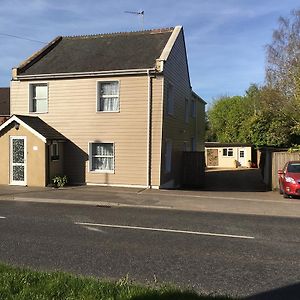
column 211, row 252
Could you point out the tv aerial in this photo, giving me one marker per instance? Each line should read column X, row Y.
column 140, row 13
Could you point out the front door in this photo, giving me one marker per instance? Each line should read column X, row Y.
column 18, row 160
column 242, row 157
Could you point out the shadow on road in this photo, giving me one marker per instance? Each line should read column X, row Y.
column 236, row 180
column 291, row 292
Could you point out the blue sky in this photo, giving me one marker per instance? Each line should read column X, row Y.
column 225, row 39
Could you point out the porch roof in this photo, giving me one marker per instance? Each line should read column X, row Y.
column 35, row 125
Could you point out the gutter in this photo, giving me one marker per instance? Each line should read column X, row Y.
column 86, row 74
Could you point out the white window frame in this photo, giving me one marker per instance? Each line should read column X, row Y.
column 54, row 154
column 170, row 99
column 98, row 96
column 31, row 100
column 168, row 156
column 90, row 164
column 227, row 150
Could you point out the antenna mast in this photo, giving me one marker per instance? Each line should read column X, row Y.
column 140, row 13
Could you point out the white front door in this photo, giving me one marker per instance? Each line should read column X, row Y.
column 242, row 157
column 18, row 160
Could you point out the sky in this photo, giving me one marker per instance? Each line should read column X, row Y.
column 225, row 39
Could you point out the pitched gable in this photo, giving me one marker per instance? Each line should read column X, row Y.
column 94, row 53
column 37, row 126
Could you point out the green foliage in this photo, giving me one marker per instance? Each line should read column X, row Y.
column 294, row 148
column 227, row 117
column 262, row 117
column 60, row 181
column 268, row 130
column 23, row 284
column 267, row 115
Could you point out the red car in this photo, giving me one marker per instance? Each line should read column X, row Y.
column 289, row 179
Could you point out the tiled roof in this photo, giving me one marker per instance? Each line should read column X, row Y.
column 4, row 101
column 103, row 52
column 41, row 127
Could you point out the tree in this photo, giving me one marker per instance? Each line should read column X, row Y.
column 283, row 65
column 226, row 118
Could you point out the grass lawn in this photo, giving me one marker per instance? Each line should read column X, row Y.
column 25, row 284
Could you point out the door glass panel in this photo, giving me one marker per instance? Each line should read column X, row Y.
column 18, row 173
column 242, row 154
column 18, row 151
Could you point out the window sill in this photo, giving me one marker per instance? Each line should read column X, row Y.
column 102, row 172
column 107, row 111
column 38, row 113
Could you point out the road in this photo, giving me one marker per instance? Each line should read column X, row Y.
column 211, row 252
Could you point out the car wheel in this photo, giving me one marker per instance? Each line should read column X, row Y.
column 280, row 189
column 287, row 196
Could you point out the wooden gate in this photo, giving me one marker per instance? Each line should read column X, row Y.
column 193, row 169
column 212, row 157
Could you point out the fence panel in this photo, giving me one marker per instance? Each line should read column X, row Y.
column 278, row 161
column 193, row 169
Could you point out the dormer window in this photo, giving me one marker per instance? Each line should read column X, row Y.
column 108, row 96
column 38, row 98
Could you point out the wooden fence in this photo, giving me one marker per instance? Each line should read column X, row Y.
column 278, row 161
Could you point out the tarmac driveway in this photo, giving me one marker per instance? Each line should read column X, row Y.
column 234, row 180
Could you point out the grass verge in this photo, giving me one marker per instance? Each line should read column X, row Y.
column 25, row 284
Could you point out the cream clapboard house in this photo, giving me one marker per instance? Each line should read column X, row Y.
column 111, row 109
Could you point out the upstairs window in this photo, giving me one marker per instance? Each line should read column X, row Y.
column 170, row 99
column 38, row 102
column 108, row 96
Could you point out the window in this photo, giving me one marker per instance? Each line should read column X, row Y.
column 38, row 102
column 170, row 99
column 227, row 152
column 193, row 108
column 185, row 146
column 186, row 110
column 101, row 157
column 54, row 151
column 168, row 156
column 108, row 96
column 193, row 144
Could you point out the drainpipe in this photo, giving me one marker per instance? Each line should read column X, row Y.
column 149, row 129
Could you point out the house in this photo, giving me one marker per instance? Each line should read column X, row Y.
column 4, row 104
column 111, row 109
column 229, row 155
